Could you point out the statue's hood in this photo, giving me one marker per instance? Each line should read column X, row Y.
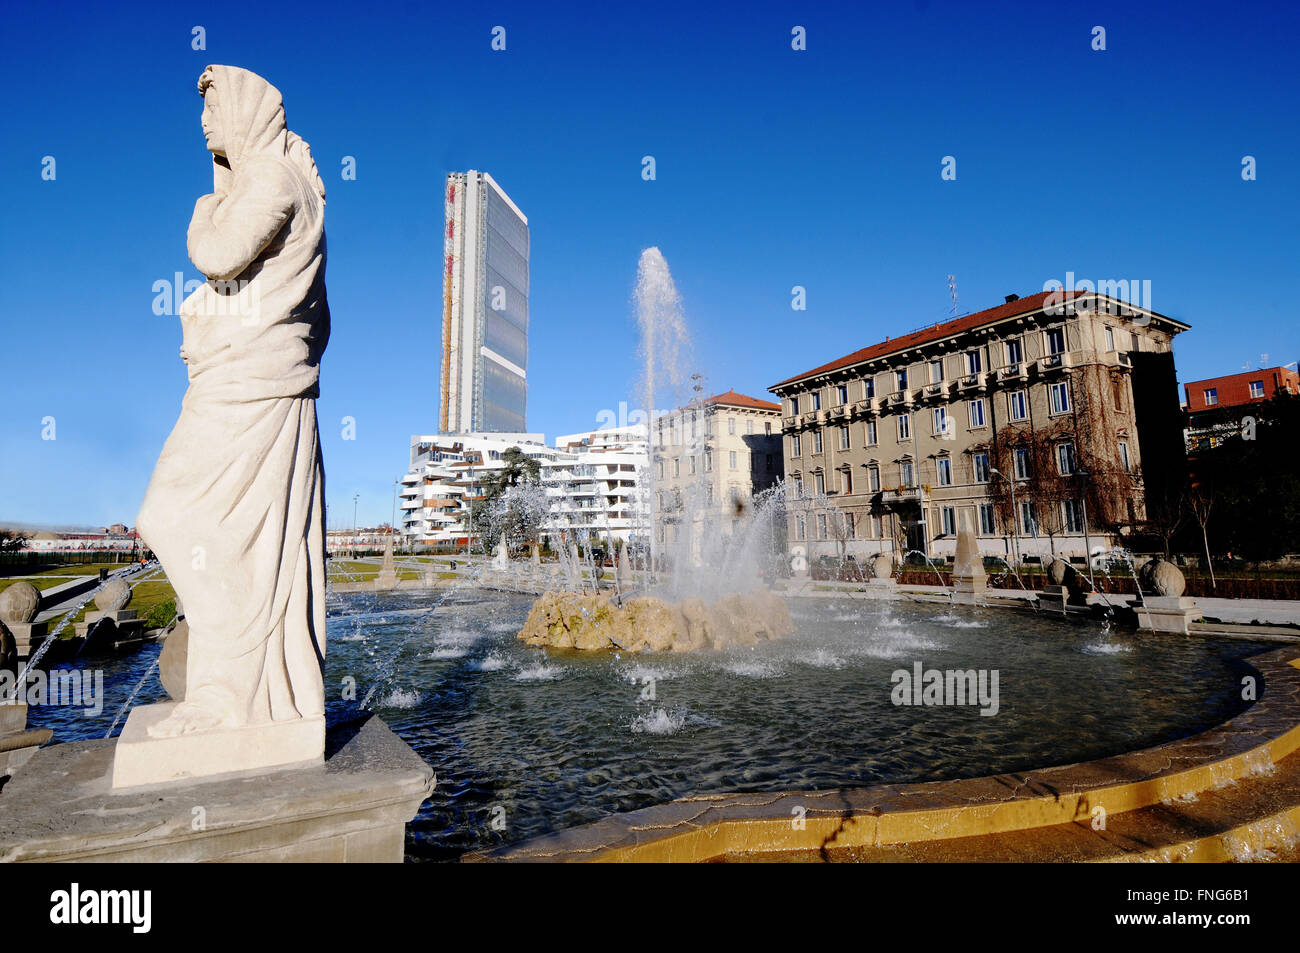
column 251, row 113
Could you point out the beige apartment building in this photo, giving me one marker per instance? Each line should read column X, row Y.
column 1017, row 421
column 711, row 457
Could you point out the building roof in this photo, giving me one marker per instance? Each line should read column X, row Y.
column 733, row 399
column 938, row 332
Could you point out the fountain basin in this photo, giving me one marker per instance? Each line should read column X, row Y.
column 596, row 622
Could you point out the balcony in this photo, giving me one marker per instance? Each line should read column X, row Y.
column 972, row 382
column 899, row 398
column 1055, row 363
column 837, row 413
column 1119, row 359
column 935, row 391
column 870, row 405
column 1013, row 374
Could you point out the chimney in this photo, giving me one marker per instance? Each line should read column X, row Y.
column 1011, row 298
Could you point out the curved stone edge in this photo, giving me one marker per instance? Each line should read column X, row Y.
column 706, row 827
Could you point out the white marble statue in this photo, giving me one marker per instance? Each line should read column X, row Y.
column 235, row 508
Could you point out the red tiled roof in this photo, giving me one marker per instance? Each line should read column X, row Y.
column 916, row 338
column 732, row 399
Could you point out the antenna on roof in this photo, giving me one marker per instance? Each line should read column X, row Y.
column 952, row 293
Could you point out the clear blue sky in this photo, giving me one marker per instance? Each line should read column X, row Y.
column 775, row 168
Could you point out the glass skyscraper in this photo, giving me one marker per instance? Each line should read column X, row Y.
column 485, row 309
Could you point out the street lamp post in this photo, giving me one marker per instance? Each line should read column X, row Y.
column 355, row 498
column 1087, row 545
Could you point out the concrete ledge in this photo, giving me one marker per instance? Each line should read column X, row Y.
column 709, row 827
column 354, row 807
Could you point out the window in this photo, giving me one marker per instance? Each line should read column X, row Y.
column 708, row 461
column 731, row 425
column 817, row 400
column 767, row 427
column 799, row 527
column 869, row 387
column 873, row 478
column 871, row 433
column 844, row 438
column 1256, row 388
column 817, row 441
column 977, row 413
column 1015, row 354
column 842, row 394
column 906, row 474
column 1117, row 386
column 904, row 426
column 661, row 469
column 749, row 426
column 1028, row 519
column 1123, row 456
column 677, row 467
column 974, row 363
column 1065, row 458
column 1060, row 397
column 850, row 530
column 901, row 377
column 1110, row 339
column 732, row 460
column 944, row 468
column 1055, row 340
column 846, row 481
column 821, row 525
column 1022, row 463
column 948, row 516
column 936, row 371
column 1073, row 513
column 794, row 445
column 693, row 464
column 981, row 466
column 988, row 523
column 1017, row 405
column 819, row 481
column 797, row 486
column 940, row 420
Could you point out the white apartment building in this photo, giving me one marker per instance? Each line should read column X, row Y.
column 595, row 486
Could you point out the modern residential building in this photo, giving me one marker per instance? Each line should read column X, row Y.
column 711, row 455
column 484, row 310
column 1216, row 406
column 595, row 486
column 447, row 474
column 1014, row 420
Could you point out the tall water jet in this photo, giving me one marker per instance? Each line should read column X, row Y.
column 665, row 351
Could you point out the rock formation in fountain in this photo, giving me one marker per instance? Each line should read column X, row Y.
column 595, row 622
column 235, row 507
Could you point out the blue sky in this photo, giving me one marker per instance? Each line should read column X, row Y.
column 775, row 168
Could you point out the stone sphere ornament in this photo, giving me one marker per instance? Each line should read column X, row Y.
column 1162, row 578
column 19, row 603
column 882, row 566
column 1057, row 571
column 116, row 594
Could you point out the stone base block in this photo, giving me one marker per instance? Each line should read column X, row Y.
column 1053, row 599
column 105, row 626
column 886, row 588
column 969, row 592
column 142, row 759
column 385, row 581
column 27, row 636
column 353, row 807
column 1167, row 614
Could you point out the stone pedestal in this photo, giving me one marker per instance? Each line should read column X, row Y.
column 884, row 588
column 1053, row 598
column 27, row 636
column 115, row 624
column 17, row 743
column 1166, row 614
column 353, row 807
column 142, row 759
column 969, row 581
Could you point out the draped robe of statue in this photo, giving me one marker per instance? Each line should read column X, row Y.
column 235, row 508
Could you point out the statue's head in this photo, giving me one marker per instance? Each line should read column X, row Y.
column 211, row 119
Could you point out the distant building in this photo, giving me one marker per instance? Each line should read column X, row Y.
column 484, row 385
column 711, row 457
column 595, row 486
column 1216, row 406
column 1058, row 404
